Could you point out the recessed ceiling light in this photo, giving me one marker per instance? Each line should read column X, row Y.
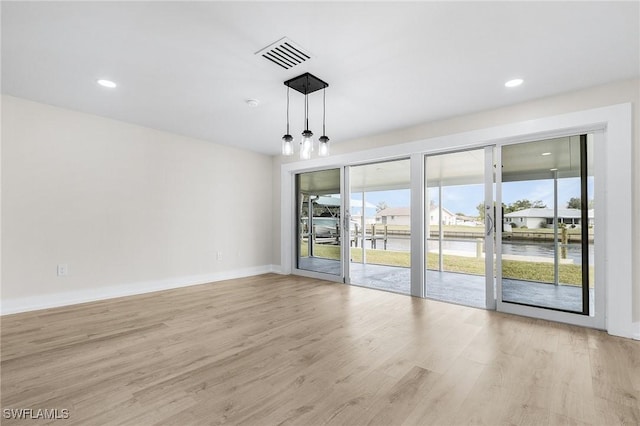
column 514, row 83
column 553, row 170
column 252, row 102
column 544, row 154
column 107, row 83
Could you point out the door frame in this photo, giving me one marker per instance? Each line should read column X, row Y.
column 613, row 193
column 598, row 320
column 489, row 219
column 416, row 280
column 294, row 232
column 490, row 223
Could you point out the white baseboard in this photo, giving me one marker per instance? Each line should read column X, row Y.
column 34, row 303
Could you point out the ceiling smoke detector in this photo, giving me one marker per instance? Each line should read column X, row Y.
column 285, row 53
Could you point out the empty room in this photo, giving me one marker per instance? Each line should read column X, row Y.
column 309, row 213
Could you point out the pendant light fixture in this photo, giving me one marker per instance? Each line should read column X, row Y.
column 306, row 144
column 306, row 84
column 287, row 139
column 323, row 142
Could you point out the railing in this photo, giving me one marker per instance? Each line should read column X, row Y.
column 377, row 232
column 371, row 234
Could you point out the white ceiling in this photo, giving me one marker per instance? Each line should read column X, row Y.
column 188, row 67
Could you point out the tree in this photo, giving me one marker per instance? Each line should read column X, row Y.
column 381, row 206
column 574, row 203
column 513, row 207
column 524, row 204
column 480, row 208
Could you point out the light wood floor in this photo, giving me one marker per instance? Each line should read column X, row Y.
column 276, row 349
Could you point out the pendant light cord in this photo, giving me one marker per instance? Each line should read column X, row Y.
column 324, row 109
column 306, row 111
column 287, row 109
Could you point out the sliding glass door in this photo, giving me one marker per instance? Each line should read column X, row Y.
column 380, row 226
column 547, row 224
column 507, row 227
column 318, row 223
column 459, row 227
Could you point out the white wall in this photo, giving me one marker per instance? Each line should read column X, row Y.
column 128, row 209
column 610, row 94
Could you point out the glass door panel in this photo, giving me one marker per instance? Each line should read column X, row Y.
column 547, row 224
column 459, row 243
column 380, row 231
column 318, row 207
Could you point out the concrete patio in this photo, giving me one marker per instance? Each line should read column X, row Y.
column 463, row 289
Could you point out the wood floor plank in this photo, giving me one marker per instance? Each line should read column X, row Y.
column 395, row 405
column 444, row 400
column 272, row 349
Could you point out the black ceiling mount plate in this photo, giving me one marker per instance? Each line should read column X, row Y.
column 306, row 83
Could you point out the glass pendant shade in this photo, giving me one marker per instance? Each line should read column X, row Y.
column 305, row 153
column 287, row 145
column 323, row 146
column 306, row 145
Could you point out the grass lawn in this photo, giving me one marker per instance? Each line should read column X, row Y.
column 528, row 271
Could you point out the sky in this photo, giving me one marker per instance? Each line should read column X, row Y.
column 465, row 198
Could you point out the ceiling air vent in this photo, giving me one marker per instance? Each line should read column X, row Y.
column 285, row 53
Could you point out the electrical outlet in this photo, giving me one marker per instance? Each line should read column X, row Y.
column 219, row 255
column 63, row 270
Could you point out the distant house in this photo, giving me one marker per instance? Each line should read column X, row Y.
column 402, row 216
column 467, row 221
column 448, row 218
column 543, row 218
column 394, row 216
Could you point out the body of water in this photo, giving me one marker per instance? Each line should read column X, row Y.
column 542, row 249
